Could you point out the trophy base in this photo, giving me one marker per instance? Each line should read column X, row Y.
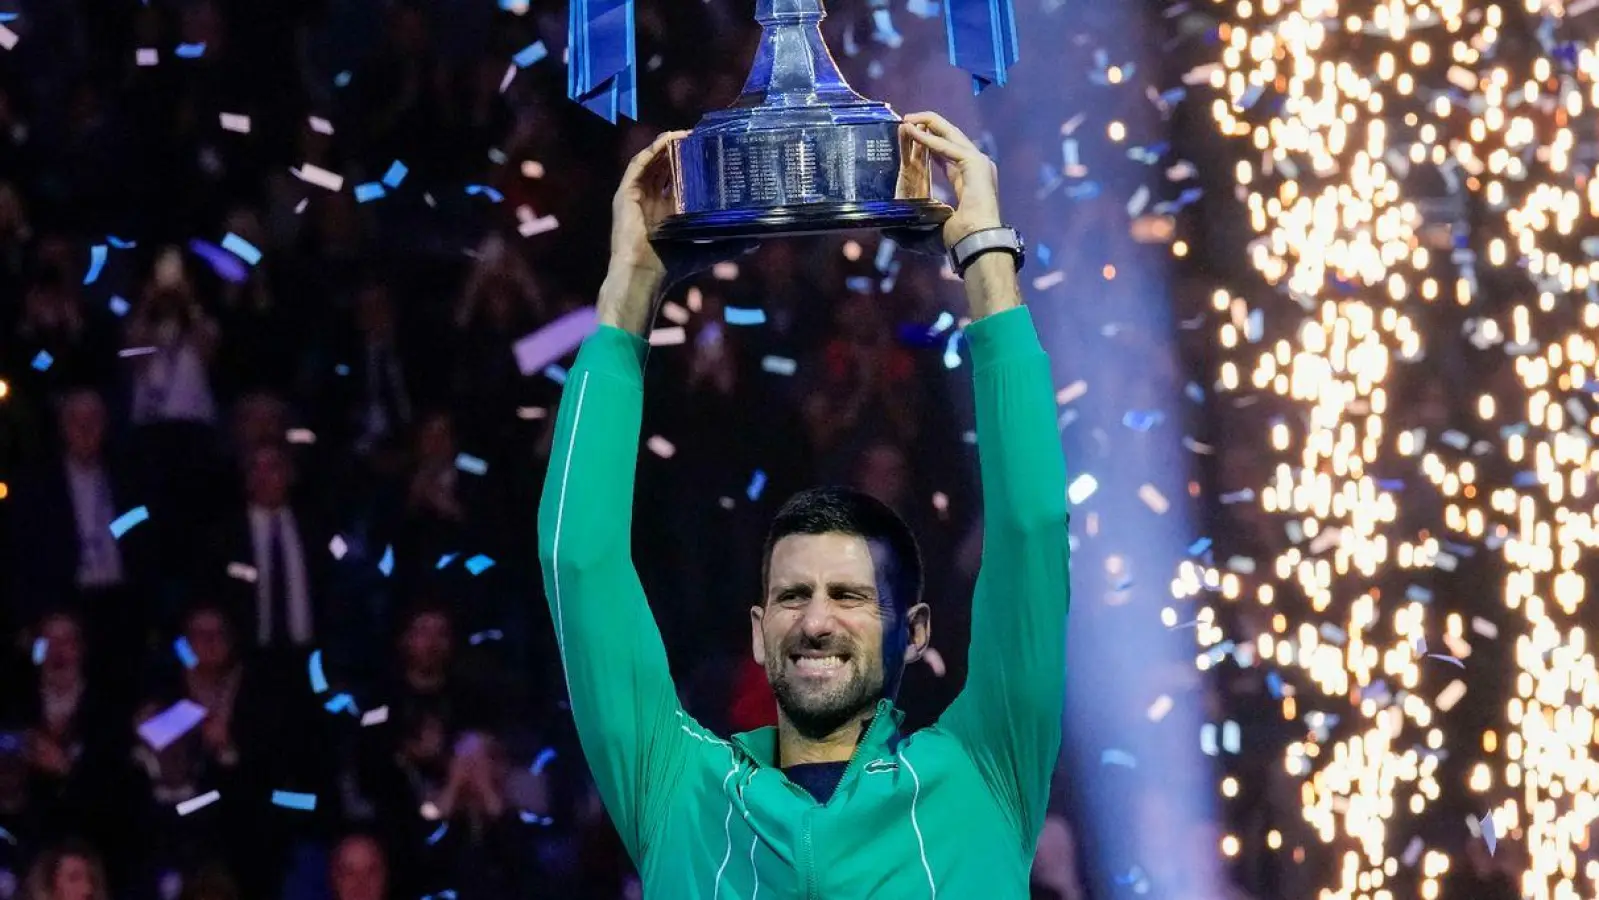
column 809, row 218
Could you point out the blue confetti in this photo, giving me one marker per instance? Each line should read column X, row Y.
column 735, row 315
column 241, row 248
column 341, row 702
column 530, row 54
column 486, row 191
column 757, row 484
column 493, row 634
column 1274, row 684
column 185, row 653
column 97, row 255
column 470, row 464
column 370, row 190
column 531, row 818
column 8, row 837
column 119, row 307
column 952, row 351
column 446, row 559
column 860, row 284
column 545, row 757
column 1199, row 546
column 342, row 79
column 41, row 646
column 190, row 51
column 127, row 520
column 1195, row 392
column 1143, row 419
column 319, row 681
column 555, row 373
column 1045, row 254
column 1118, row 758
column 1391, row 484
column 43, row 361
column 479, row 564
column 119, row 243
column 294, row 800
column 396, row 174
column 1088, row 190
column 8, row 17
column 438, row 833
column 341, row 370
column 386, row 564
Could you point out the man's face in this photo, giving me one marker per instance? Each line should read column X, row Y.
column 819, row 633
column 74, row 879
column 359, row 871
column 63, row 644
column 426, row 644
column 268, row 478
column 208, row 637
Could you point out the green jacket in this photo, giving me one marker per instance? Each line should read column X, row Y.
column 953, row 810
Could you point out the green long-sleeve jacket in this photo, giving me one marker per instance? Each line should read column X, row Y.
column 953, row 810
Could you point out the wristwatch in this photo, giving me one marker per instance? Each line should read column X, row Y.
column 984, row 240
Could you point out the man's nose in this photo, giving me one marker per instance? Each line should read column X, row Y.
column 819, row 620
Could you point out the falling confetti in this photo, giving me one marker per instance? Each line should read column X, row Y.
column 121, row 524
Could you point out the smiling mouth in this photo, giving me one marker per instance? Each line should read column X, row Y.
column 818, row 665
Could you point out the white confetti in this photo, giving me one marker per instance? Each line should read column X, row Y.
column 200, row 802
column 312, row 174
column 236, row 123
column 661, row 447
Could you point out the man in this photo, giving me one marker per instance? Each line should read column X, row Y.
column 275, row 554
column 67, row 553
column 834, row 801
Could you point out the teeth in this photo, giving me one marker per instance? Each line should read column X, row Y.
column 819, row 664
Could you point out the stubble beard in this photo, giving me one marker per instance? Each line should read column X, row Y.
column 818, row 712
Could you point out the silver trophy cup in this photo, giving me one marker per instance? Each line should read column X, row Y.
column 799, row 152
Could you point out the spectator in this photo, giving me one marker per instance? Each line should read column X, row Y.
column 71, row 871
column 174, row 342
column 359, row 869
column 278, row 547
column 64, row 547
column 478, row 850
column 436, row 514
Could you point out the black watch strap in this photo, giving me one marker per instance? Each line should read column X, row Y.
column 986, row 240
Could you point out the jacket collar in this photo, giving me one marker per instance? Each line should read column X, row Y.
column 880, row 740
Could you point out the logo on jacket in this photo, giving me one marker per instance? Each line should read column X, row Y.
column 877, row 766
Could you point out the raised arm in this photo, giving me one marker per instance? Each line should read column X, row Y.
column 622, row 696
column 1008, row 716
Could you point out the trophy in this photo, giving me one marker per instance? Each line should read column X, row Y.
column 799, row 152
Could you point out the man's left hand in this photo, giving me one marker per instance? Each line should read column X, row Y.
column 971, row 173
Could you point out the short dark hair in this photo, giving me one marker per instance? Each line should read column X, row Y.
column 841, row 510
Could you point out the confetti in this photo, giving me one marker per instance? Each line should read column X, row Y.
column 1489, row 835
column 778, row 365
column 119, row 306
column 756, row 485
column 375, row 717
column 243, row 572
column 319, row 681
column 121, row 524
column 294, row 800
column 396, row 174
column 235, row 123
column 555, row 340
column 194, row 804
column 185, row 653
column 160, row 730
column 438, row 833
column 535, row 226
column 470, row 464
column 369, row 191
column 479, row 564
column 1154, row 499
column 1158, row 710
column 734, row 315
column 97, row 258
column 42, row 361
column 446, row 559
column 341, row 702
column 671, row 336
column 1143, row 420
column 1118, row 758
column 41, row 646
column 530, row 54
column 545, row 757
column 486, row 191
column 189, row 51
column 661, row 447
column 320, row 126
column 241, row 248
column 493, row 634
column 319, row 176
column 146, row 56
column 386, row 564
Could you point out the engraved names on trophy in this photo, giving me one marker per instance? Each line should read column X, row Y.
column 799, row 171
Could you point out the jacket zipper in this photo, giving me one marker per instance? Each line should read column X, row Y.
column 810, row 815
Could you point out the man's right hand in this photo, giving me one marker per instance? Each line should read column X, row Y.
column 639, row 269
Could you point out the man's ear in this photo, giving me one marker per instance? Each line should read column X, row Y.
column 918, row 631
column 757, row 638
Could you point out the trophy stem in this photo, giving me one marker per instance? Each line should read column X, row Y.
column 793, row 67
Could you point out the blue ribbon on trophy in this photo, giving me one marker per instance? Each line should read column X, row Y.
column 602, row 60
column 982, row 39
column 602, row 64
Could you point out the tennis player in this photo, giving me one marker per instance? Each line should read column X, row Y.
column 835, row 801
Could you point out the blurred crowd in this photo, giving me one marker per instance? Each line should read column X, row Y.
column 272, row 623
